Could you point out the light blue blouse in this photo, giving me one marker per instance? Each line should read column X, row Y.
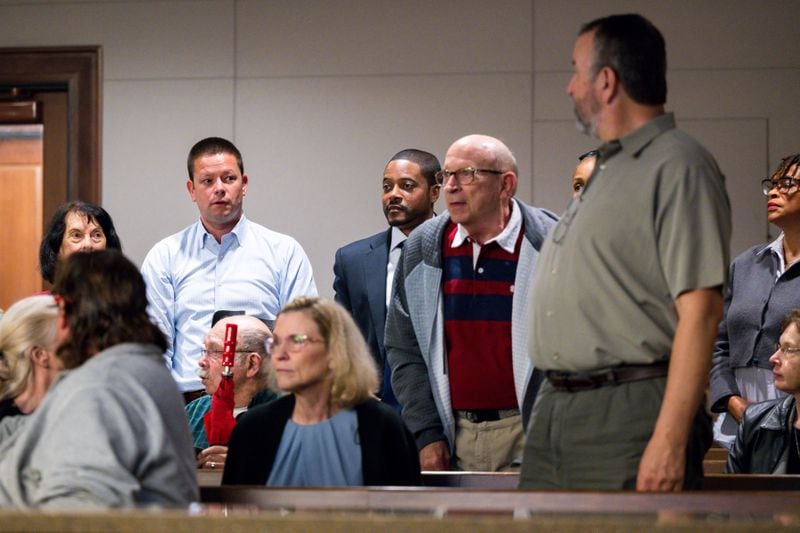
column 327, row 454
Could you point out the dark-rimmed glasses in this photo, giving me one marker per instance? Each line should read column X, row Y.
column 784, row 185
column 463, row 176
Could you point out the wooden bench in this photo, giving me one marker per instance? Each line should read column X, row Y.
column 517, row 503
column 510, row 480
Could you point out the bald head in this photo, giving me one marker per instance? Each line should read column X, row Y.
column 249, row 363
column 489, row 149
column 251, row 336
column 480, row 179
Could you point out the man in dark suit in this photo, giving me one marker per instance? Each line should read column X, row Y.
column 364, row 270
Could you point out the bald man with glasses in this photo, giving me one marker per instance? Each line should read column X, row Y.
column 456, row 330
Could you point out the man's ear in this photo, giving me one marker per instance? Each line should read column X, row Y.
column 508, row 184
column 190, row 189
column 254, row 362
column 607, row 83
column 435, row 191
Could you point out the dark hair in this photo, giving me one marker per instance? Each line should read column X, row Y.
column 634, row 49
column 428, row 164
column 211, row 146
column 54, row 234
column 105, row 303
column 786, row 165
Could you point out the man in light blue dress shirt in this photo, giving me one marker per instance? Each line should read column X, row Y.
column 221, row 262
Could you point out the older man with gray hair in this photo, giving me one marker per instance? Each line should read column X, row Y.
column 456, row 331
column 250, row 372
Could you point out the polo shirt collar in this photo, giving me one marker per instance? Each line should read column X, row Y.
column 506, row 239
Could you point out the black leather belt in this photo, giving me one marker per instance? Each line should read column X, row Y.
column 578, row 381
column 487, row 415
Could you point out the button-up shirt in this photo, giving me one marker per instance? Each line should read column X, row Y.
column 190, row 275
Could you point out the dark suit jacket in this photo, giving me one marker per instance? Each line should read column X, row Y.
column 360, row 286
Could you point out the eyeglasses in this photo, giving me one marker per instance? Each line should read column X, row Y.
column 217, row 354
column 292, row 343
column 786, row 351
column 784, row 185
column 463, row 176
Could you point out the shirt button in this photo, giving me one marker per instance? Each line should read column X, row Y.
column 548, row 313
column 480, row 270
column 554, row 271
column 555, row 357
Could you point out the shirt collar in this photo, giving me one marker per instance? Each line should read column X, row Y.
column 636, row 141
column 396, row 238
column 506, row 239
column 237, row 233
column 775, row 247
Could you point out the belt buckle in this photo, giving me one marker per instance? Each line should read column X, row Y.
column 610, row 377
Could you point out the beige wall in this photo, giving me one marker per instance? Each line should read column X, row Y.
column 319, row 94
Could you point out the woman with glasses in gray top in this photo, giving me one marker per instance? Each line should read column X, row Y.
column 764, row 286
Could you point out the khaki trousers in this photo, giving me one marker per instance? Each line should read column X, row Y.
column 494, row 446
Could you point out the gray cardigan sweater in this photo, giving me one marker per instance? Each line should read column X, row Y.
column 414, row 337
column 755, row 304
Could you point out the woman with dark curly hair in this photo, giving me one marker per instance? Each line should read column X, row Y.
column 75, row 227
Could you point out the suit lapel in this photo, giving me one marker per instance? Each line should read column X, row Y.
column 375, row 281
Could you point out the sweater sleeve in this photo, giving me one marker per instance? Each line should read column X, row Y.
column 722, row 379
column 410, row 379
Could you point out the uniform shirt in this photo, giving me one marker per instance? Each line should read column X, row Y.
column 653, row 222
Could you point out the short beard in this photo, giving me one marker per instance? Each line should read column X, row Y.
column 584, row 126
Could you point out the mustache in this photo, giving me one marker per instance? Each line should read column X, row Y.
column 397, row 205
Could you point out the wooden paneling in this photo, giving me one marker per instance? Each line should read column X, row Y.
column 77, row 70
column 20, row 221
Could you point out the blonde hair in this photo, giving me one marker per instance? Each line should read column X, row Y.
column 28, row 323
column 352, row 368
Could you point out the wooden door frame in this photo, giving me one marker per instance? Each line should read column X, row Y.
column 78, row 70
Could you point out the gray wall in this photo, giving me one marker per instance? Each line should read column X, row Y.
column 319, row 94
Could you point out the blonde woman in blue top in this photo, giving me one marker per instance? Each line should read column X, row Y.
column 329, row 430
